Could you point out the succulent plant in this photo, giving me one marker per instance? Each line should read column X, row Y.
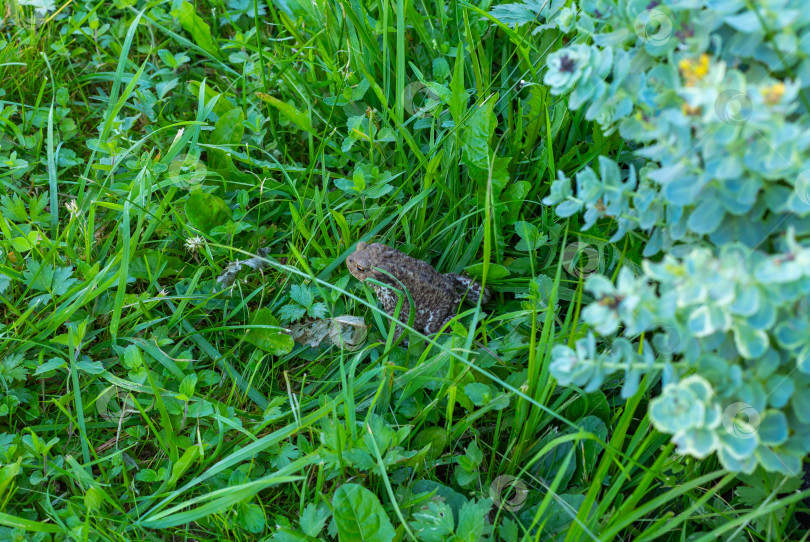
column 709, row 95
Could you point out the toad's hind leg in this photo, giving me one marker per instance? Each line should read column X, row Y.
column 469, row 289
column 434, row 321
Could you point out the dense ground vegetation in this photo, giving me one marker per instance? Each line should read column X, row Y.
column 184, row 355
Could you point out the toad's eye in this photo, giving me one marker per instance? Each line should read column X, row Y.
column 361, row 268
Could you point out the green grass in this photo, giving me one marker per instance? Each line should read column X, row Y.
column 308, row 143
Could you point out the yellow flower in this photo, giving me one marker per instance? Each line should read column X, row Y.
column 773, row 94
column 703, row 66
column 689, row 111
column 693, row 71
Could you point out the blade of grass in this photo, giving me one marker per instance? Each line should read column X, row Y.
column 111, row 103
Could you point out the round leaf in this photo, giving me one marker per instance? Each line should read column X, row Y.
column 269, row 339
column 360, row 516
column 206, row 211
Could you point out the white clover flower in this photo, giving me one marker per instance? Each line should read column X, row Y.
column 73, row 208
column 193, row 244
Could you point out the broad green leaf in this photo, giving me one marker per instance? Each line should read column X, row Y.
column 458, row 104
column 473, row 521
column 441, row 69
column 433, row 436
column 516, row 14
column 553, row 460
column 530, row 238
column 50, row 365
column 292, row 312
column 270, row 339
column 12, row 367
column 496, row 271
column 314, row 519
column 476, row 134
column 38, row 277
column 228, row 131
column 206, row 211
column 199, row 29
column 295, row 116
column 499, row 174
column 434, row 522
column 188, row 384
column 167, row 58
column 302, row 295
column 93, row 499
column 360, row 516
column 13, row 208
column 251, row 517
column 508, row 530
column 560, row 513
column 590, row 450
column 24, row 244
column 594, row 404
column 62, row 280
column 479, row 393
column 513, row 197
column 222, row 105
column 474, row 453
column 90, row 367
column 453, row 498
column 183, row 464
column 9, row 472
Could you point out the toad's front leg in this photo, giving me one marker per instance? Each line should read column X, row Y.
column 389, row 300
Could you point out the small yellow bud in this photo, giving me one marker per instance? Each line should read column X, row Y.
column 773, row 94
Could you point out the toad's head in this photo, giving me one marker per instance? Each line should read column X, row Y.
column 362, row 261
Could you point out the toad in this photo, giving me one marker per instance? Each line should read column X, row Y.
column 436, row 296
